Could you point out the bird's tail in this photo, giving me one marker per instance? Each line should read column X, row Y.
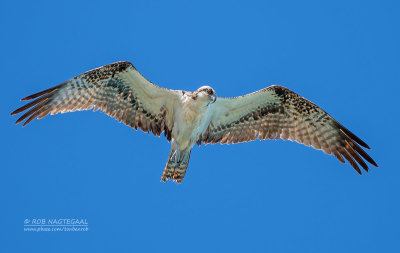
column 176, row 165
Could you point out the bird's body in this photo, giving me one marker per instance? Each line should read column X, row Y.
column 191, row 119
column 187, row 118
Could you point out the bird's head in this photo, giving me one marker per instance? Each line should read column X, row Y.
column 206, row 93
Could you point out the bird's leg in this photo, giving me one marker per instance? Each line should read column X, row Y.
column 174, row 151
column 177, row 156
column 185, row 157
column 173, row 157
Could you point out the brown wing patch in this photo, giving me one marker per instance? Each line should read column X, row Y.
column 291, row 117
column 103, row 89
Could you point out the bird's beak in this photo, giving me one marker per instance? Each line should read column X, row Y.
column 213, row 98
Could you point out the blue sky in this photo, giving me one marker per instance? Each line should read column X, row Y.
column 270, row 196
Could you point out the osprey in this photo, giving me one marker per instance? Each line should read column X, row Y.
column 187, row 118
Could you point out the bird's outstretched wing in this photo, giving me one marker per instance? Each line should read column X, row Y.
column 118, row 89
column 278, row 113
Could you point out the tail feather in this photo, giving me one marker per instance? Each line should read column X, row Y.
column 176, row 170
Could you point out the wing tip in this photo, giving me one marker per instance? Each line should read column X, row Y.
column 375, row 164
column 27, row 98
column 40, row 93
column 352, row 135
column 27, row 122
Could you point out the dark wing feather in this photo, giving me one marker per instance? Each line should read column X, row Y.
column 118, row 89
column 278, row 113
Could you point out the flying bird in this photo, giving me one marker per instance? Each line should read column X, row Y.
column 188, row 118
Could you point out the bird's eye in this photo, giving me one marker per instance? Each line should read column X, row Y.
column 210, row 92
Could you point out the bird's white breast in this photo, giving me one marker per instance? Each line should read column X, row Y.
column 191, row 119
